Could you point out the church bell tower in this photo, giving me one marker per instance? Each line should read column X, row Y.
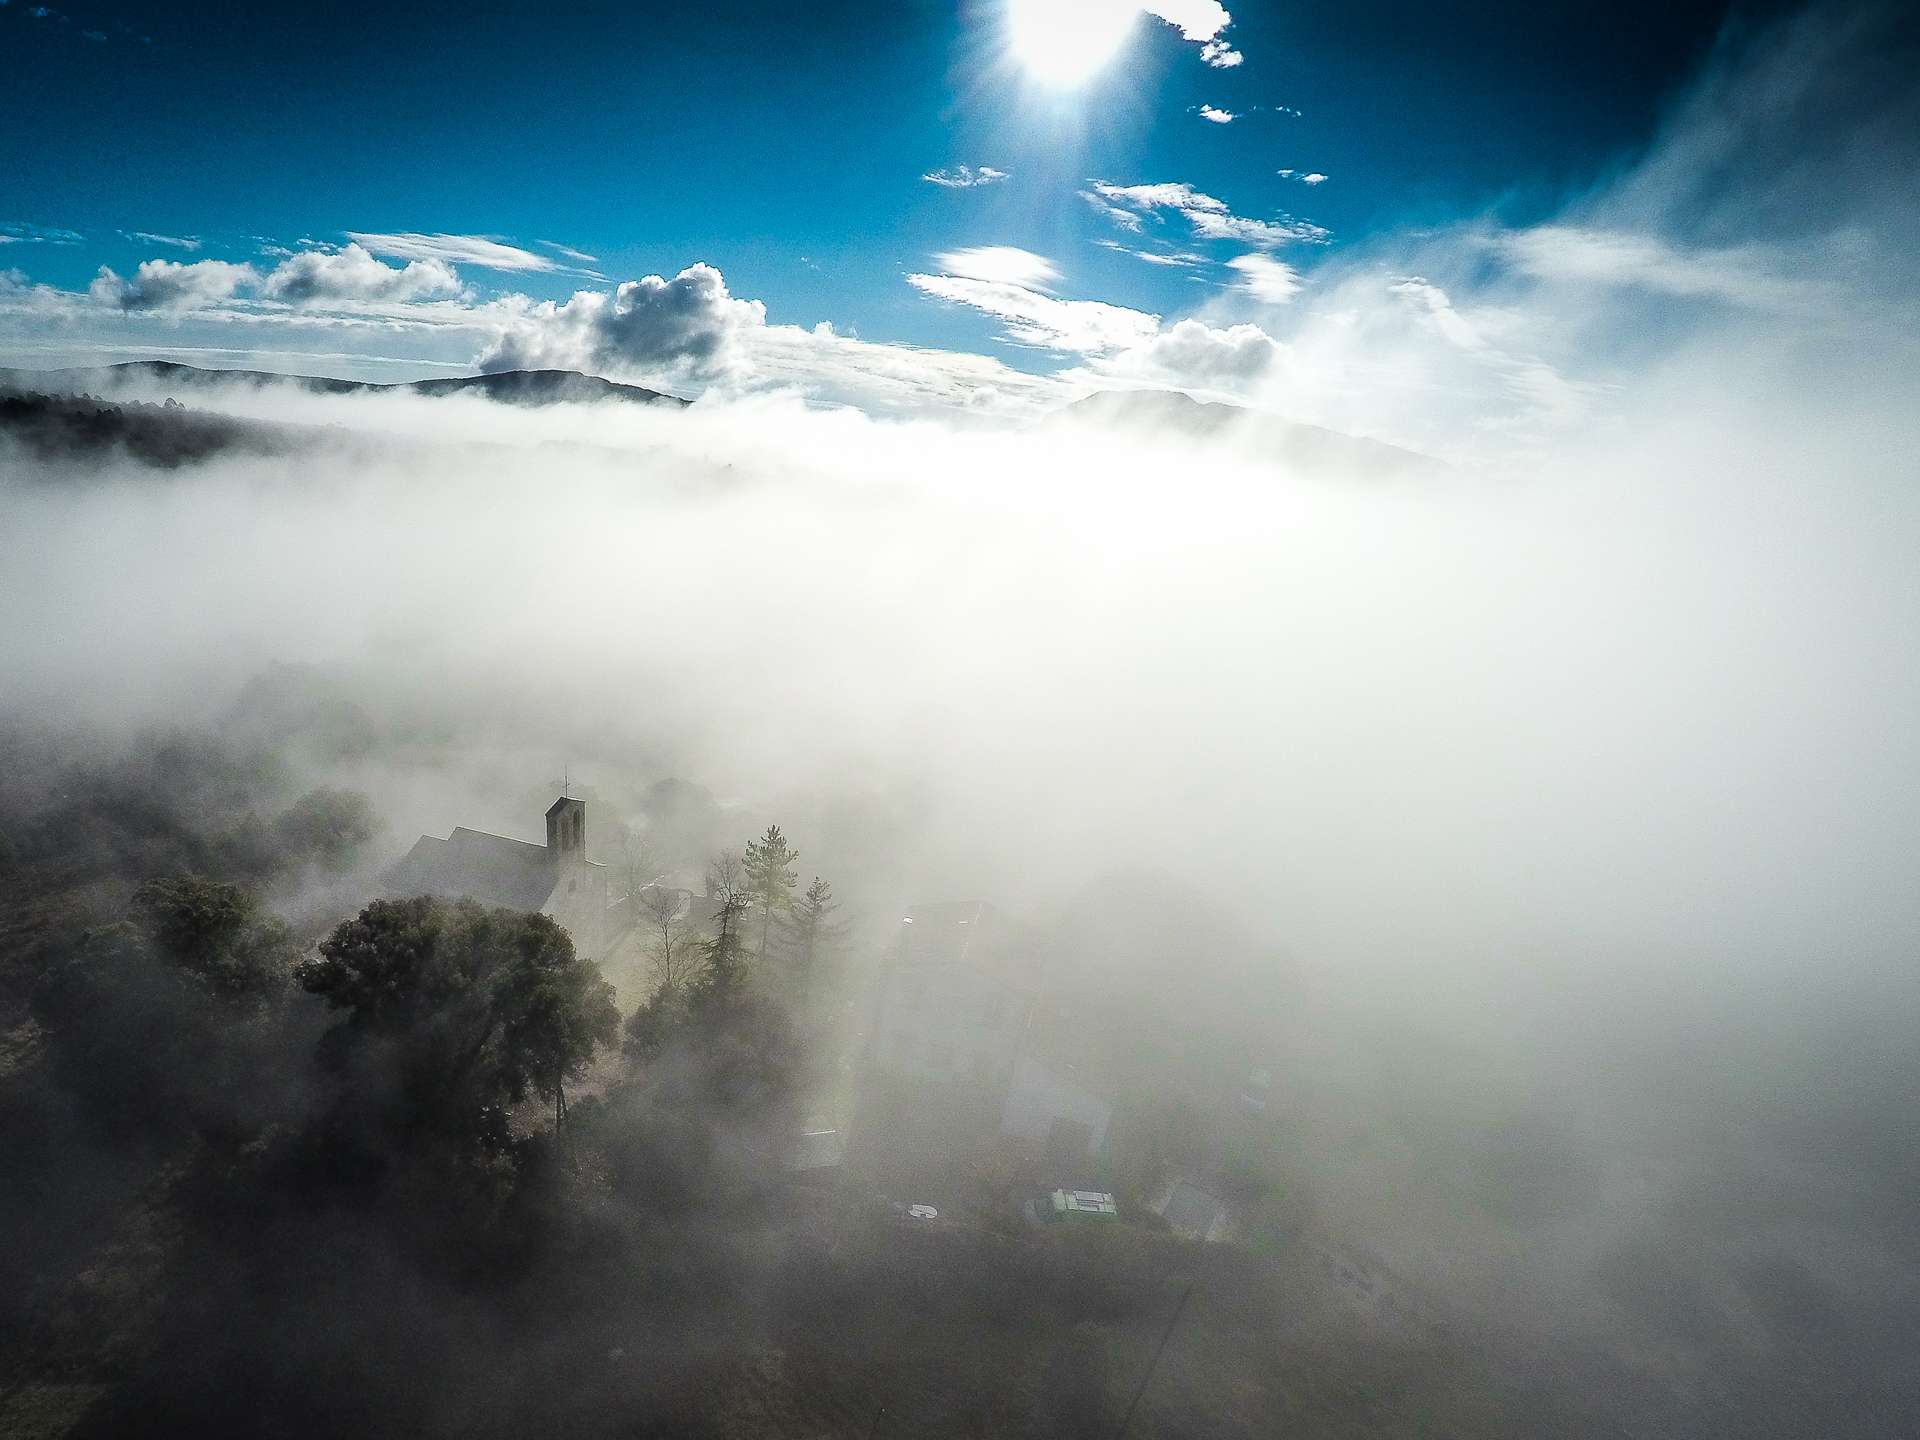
column 567, row 829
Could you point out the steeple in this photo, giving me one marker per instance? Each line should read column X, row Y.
column 567, row 829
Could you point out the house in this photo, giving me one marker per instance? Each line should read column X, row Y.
column 1047, row 1108
column 954, row 1003
column 1191, row 1210
column 555, row 879
column 953, row 1028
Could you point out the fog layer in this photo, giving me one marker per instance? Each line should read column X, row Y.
column 1577, row 783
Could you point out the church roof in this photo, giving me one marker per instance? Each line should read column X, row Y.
column 474, row 865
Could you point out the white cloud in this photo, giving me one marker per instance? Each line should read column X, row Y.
column 1266, row 234
column 1210, row 218
column 1174, row 258
column 1125, row 219
column 1218, row 117
column 1436, row 307
column 1194, row 19
column 352, row 275
column 1313, row 178
column 1742, row 275
column 171, row 285
column 1005, row 263
column 1192, row 354
column 1270, row 281
column 182, row 242
column 1167, row 194
column 825, row 365
column 689, row 326
column 1087, row 327
column 475, row 250
column 17, row 234
column 568, row 251
column 964, row 177
column 1221, row 55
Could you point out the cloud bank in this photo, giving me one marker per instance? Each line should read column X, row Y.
column 352, row 274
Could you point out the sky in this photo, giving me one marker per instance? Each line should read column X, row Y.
column 898, row 206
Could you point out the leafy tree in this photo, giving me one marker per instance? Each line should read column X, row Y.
column 462, row 1008
column 325, row 826
column 653, row 1024
column 558, row 1012
column 218, row 933
column 770, row 879
column 123, row 1028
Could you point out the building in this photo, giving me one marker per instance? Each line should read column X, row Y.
column 555, row 879
column 1048, row 1109
column 1191, row 1210
column 954, row 1003
column 953, row 1038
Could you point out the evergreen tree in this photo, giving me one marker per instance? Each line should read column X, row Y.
column 813, row 927
column 770, row 879
column 726, row 972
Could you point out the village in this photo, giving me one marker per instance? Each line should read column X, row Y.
column 956, row 1085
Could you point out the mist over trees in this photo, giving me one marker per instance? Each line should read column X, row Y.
column 1463, row 916
column 254, row 1158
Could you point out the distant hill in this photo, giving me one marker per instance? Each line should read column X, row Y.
column 509, row 387
column 79, row 427
column 1176, row 412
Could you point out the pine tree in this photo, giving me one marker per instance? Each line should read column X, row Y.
column 770, row 879
column 813, row 927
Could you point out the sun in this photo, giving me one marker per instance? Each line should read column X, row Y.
column 1064, row 43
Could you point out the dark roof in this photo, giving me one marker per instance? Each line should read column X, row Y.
column 473, row 865
column 1191, row 1210
column 972, row 937
column 948, row 932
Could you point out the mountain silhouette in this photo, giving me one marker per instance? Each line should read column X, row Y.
column 1164, row 412
column 510, row 387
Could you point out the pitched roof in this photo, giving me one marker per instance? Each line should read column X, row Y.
column 472, row 864
column 972, row 937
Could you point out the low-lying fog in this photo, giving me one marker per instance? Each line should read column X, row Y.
column 1571, row 796
column 1584, row 786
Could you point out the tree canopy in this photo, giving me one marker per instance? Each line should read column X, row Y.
column 472, row 1007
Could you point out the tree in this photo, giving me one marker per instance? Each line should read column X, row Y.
column 327, row 827
column 217, row 933
column 459, row 1009
column 770, row 879
column 639, row 864
column 727, row 880
column 653, row 1024
column 725, row 974
column 665, row 914
column 558, row 1012
column 813, row 926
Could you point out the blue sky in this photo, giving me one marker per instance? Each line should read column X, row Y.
column 785, row 147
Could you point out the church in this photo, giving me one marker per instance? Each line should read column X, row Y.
column 555, row 879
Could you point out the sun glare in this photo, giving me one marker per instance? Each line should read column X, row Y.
column 1065, row 43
